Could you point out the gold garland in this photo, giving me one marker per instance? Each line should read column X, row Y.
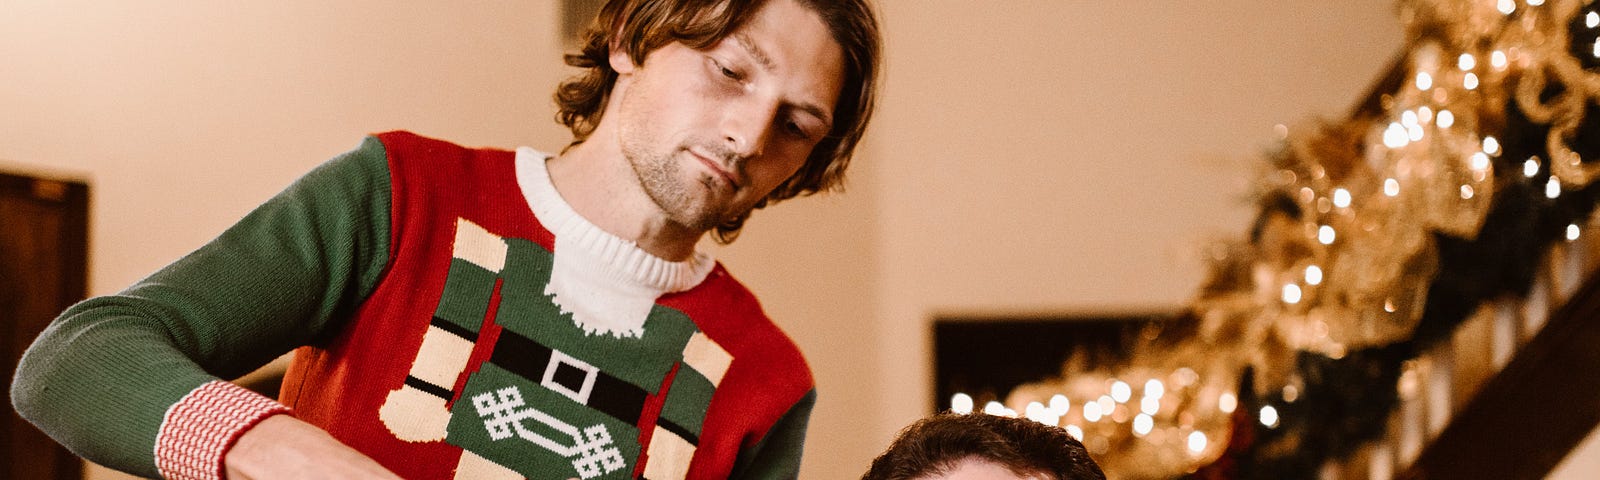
column 1544, row 41
column 1348, row 261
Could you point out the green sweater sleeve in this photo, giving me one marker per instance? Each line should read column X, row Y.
column 777, row 455
column 100, row 378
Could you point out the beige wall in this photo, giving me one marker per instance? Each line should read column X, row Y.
column 184, row 115
column 1071, row 157
column 1030, row 156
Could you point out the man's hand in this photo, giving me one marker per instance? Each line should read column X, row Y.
column 282, row 446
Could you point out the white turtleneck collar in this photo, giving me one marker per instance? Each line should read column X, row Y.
column 606, row 282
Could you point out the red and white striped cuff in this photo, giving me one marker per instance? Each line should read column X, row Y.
column 198, row 430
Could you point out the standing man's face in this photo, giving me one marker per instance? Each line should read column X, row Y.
column 711, row 132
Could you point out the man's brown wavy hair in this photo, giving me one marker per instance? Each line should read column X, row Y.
column 641, row 26
column 937, row 445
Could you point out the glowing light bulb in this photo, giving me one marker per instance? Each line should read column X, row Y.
column 1530, row 167
column 1414, row 133
column 1142, row 425
column 1291, row 294
column 1425, row 114
column 1491, row 145
column 1075, row 431
column 1391, row 187
column 1591, row 20
column 1227, row 402
column 994, row 408
column 1408, row 119
column 1470, row 81
column 1313, row 275
column 1150, row 405
column 1269, row 416
column 1325, row 234
column 961, row 403
column 1059, row 404
column 1154, row 389
column 1107, row 405
column 1467, row 62
column 1034, row 411
column 1424, row 81
column 1597, row 47
column 1091, row 411
column 1552, row 188
column 1395, row 136
column 1498, row 59
column 1467, row 192
column 1535, row 3
column 1341, row 198
column 1197, row 442
column 1572, row 231
column 1446, row 119
column 1120, row 391
column 1506, row 6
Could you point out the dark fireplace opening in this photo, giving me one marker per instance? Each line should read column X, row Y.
column 986, row 357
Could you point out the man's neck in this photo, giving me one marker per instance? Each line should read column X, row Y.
column 595, row 179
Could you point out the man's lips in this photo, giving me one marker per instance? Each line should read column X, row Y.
column 715, row 167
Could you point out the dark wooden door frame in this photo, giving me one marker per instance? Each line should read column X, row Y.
column 32, row 298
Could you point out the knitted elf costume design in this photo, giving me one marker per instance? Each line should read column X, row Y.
column 455, row 319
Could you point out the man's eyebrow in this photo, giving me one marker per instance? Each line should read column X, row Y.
column 755, row 51
column 766, row 64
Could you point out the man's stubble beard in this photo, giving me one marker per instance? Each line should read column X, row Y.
column 662, row 178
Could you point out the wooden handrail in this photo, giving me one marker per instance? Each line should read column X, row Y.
column 1535, row 411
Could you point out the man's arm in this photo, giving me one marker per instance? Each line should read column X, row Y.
column 777, row 455
column 132, row 380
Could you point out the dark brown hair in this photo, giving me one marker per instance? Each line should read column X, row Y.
column 641, row 26
column 936, row 444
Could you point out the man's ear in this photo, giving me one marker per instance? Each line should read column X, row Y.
column 621, row 61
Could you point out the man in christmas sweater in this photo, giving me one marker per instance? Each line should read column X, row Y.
column 483, row 313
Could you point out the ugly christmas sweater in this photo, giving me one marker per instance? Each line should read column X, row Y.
column 455, row 318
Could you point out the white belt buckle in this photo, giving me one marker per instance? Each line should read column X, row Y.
column 557, row 359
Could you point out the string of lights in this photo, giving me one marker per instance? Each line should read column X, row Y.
column 1378, row 235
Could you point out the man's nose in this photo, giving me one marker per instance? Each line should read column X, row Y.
column 748, row 125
